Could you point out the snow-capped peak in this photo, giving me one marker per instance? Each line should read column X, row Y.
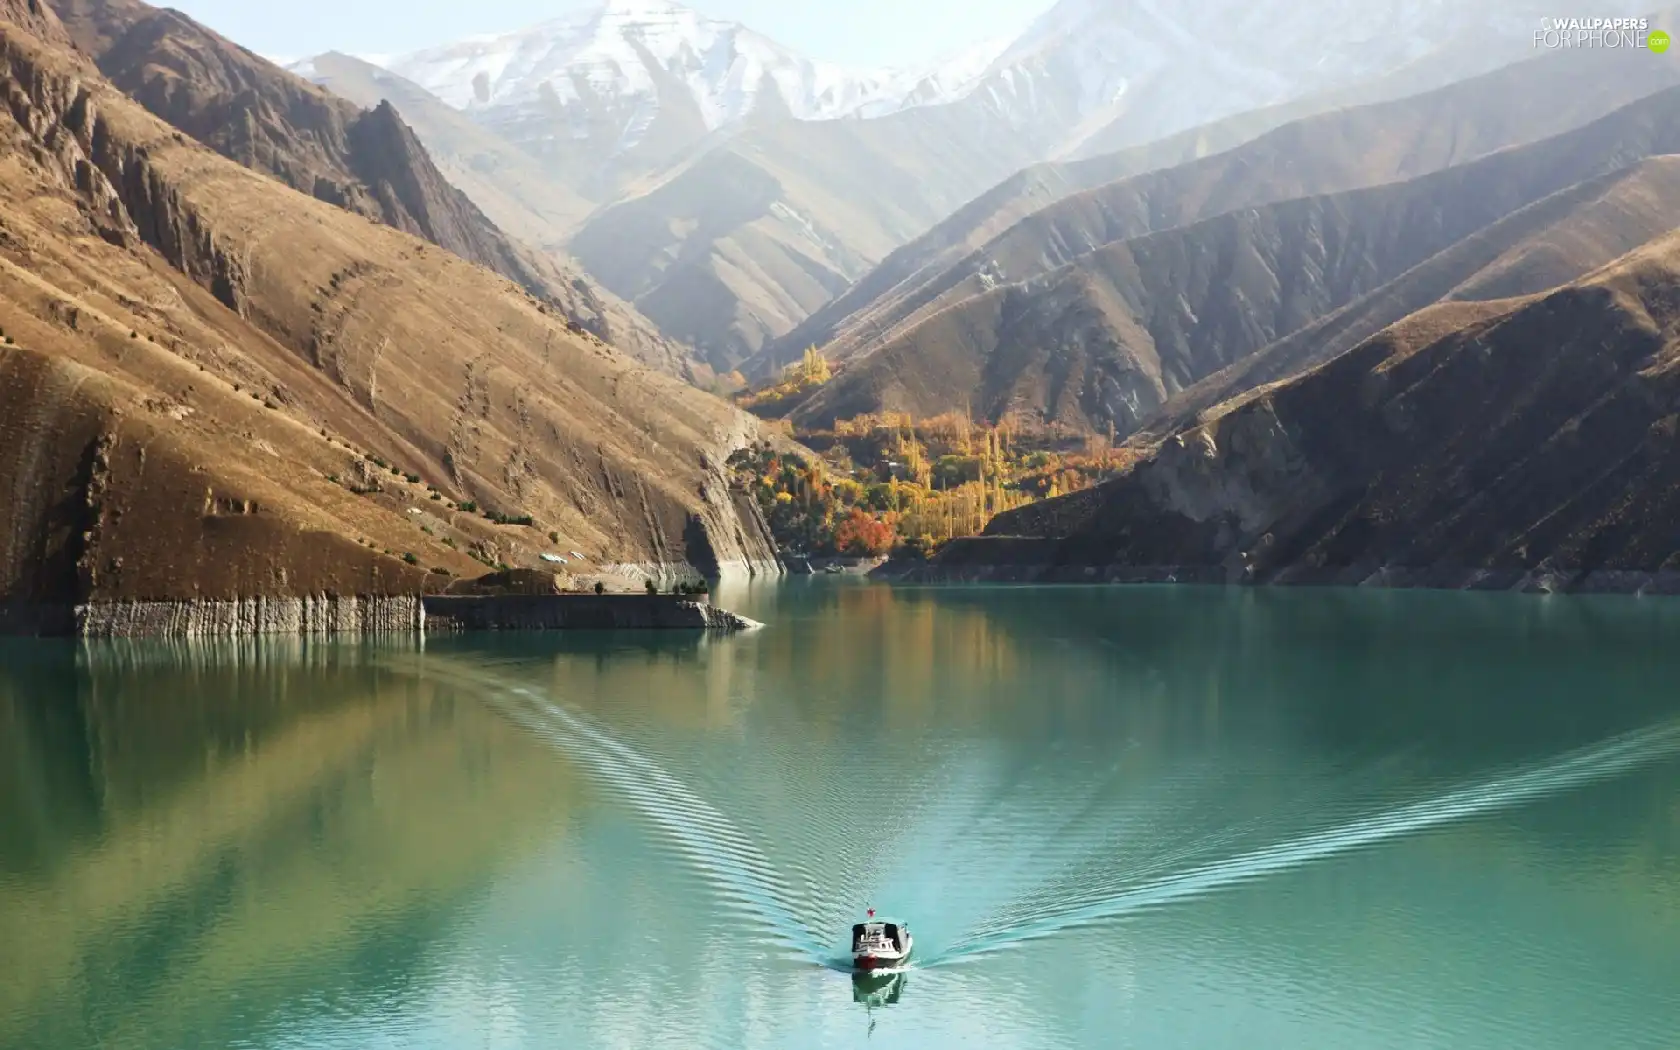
column 625, row 51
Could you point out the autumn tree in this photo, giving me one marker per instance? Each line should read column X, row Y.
column 813, row 368
column 863, row 536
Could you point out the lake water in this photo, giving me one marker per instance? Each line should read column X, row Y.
column 1128, row 817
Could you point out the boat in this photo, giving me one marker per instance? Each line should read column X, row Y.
column 880, row 944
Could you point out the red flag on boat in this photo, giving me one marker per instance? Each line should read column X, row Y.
column 871, row 913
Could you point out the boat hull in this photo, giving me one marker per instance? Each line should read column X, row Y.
column 867, row 961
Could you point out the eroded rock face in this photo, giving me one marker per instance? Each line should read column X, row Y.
column 368, row 162
column 214, row 389
column 1534, row 450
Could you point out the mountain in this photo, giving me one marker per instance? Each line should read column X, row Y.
column 366, row 161
column 1443, row 116
column 650, row 77
column 739, row 243
column 1535, row 249
column 626, row 87
column 1133, row 71
column 1531, row 448
column 1107, row 338
column 514, row 192
column 35, row 17
column 213, row 386
column 510, row 185
column 743, row 186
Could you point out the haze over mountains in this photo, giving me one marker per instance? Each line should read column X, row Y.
column 739, row 187
column 505, row 265
column 1138, row 296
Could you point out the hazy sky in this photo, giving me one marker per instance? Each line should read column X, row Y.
column 854, row 32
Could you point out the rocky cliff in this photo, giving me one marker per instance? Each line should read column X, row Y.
column 216, row 388
column 1536, row 447
column 367, row 161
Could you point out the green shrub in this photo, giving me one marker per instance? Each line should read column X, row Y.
column 600, row 588
column 438, row 570
column 651, row 589
column 467, row 507
column 412, row 479
column 411, row 559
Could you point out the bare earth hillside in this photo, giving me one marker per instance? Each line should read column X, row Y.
column 518, row 195
column 1534, row 446
column 367, row 161
column 209, row 378
column 1107, row 339
column 735, row 245
column 995, row 242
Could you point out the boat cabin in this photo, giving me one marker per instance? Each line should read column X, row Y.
column 878, row 934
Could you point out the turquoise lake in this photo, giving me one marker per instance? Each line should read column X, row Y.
column 1113, row 817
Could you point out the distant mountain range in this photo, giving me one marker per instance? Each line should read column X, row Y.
column 1098, row 308
column 1403, row 312
column 737, row 187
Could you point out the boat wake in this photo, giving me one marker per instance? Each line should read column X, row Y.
column 735, row 867
column 1049, row 882
column 1598, row 762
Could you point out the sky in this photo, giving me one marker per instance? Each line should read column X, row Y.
column 889, row 33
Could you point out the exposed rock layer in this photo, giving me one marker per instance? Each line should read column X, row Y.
column 213, row 388
column 1535, row 447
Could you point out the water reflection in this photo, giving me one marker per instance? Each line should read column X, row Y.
column 203, row 834
column 877, row 989
column 1233, row 818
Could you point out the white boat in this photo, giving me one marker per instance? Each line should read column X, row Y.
column 880, row 944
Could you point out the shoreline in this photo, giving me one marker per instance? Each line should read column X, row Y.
column 365, row 615
column 1662, row 582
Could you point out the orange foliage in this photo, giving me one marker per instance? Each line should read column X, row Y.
column 863, row 536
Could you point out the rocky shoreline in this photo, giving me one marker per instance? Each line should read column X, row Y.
column 322, row 615
column 969, row 566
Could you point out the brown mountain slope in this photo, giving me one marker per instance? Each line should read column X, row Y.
column 510, row 185
column 1536, row 249
column 366, row 161
column 518, row 195
column 738, row 243
column 198, row 363
column 1328, row 153
column 36, row 17
column 1533, row 448
column 1107, row 339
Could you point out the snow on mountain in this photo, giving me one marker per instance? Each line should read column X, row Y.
column 622, row 52
column 1187, row 62
column 1079, row 64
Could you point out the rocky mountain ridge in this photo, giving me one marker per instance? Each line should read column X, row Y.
column 218, row 388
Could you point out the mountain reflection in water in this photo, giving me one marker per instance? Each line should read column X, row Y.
column 1134, row 817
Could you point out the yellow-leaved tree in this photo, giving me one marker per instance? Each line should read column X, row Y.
column 814, row 366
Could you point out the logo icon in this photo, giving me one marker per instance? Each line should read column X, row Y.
column 1657, row 41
